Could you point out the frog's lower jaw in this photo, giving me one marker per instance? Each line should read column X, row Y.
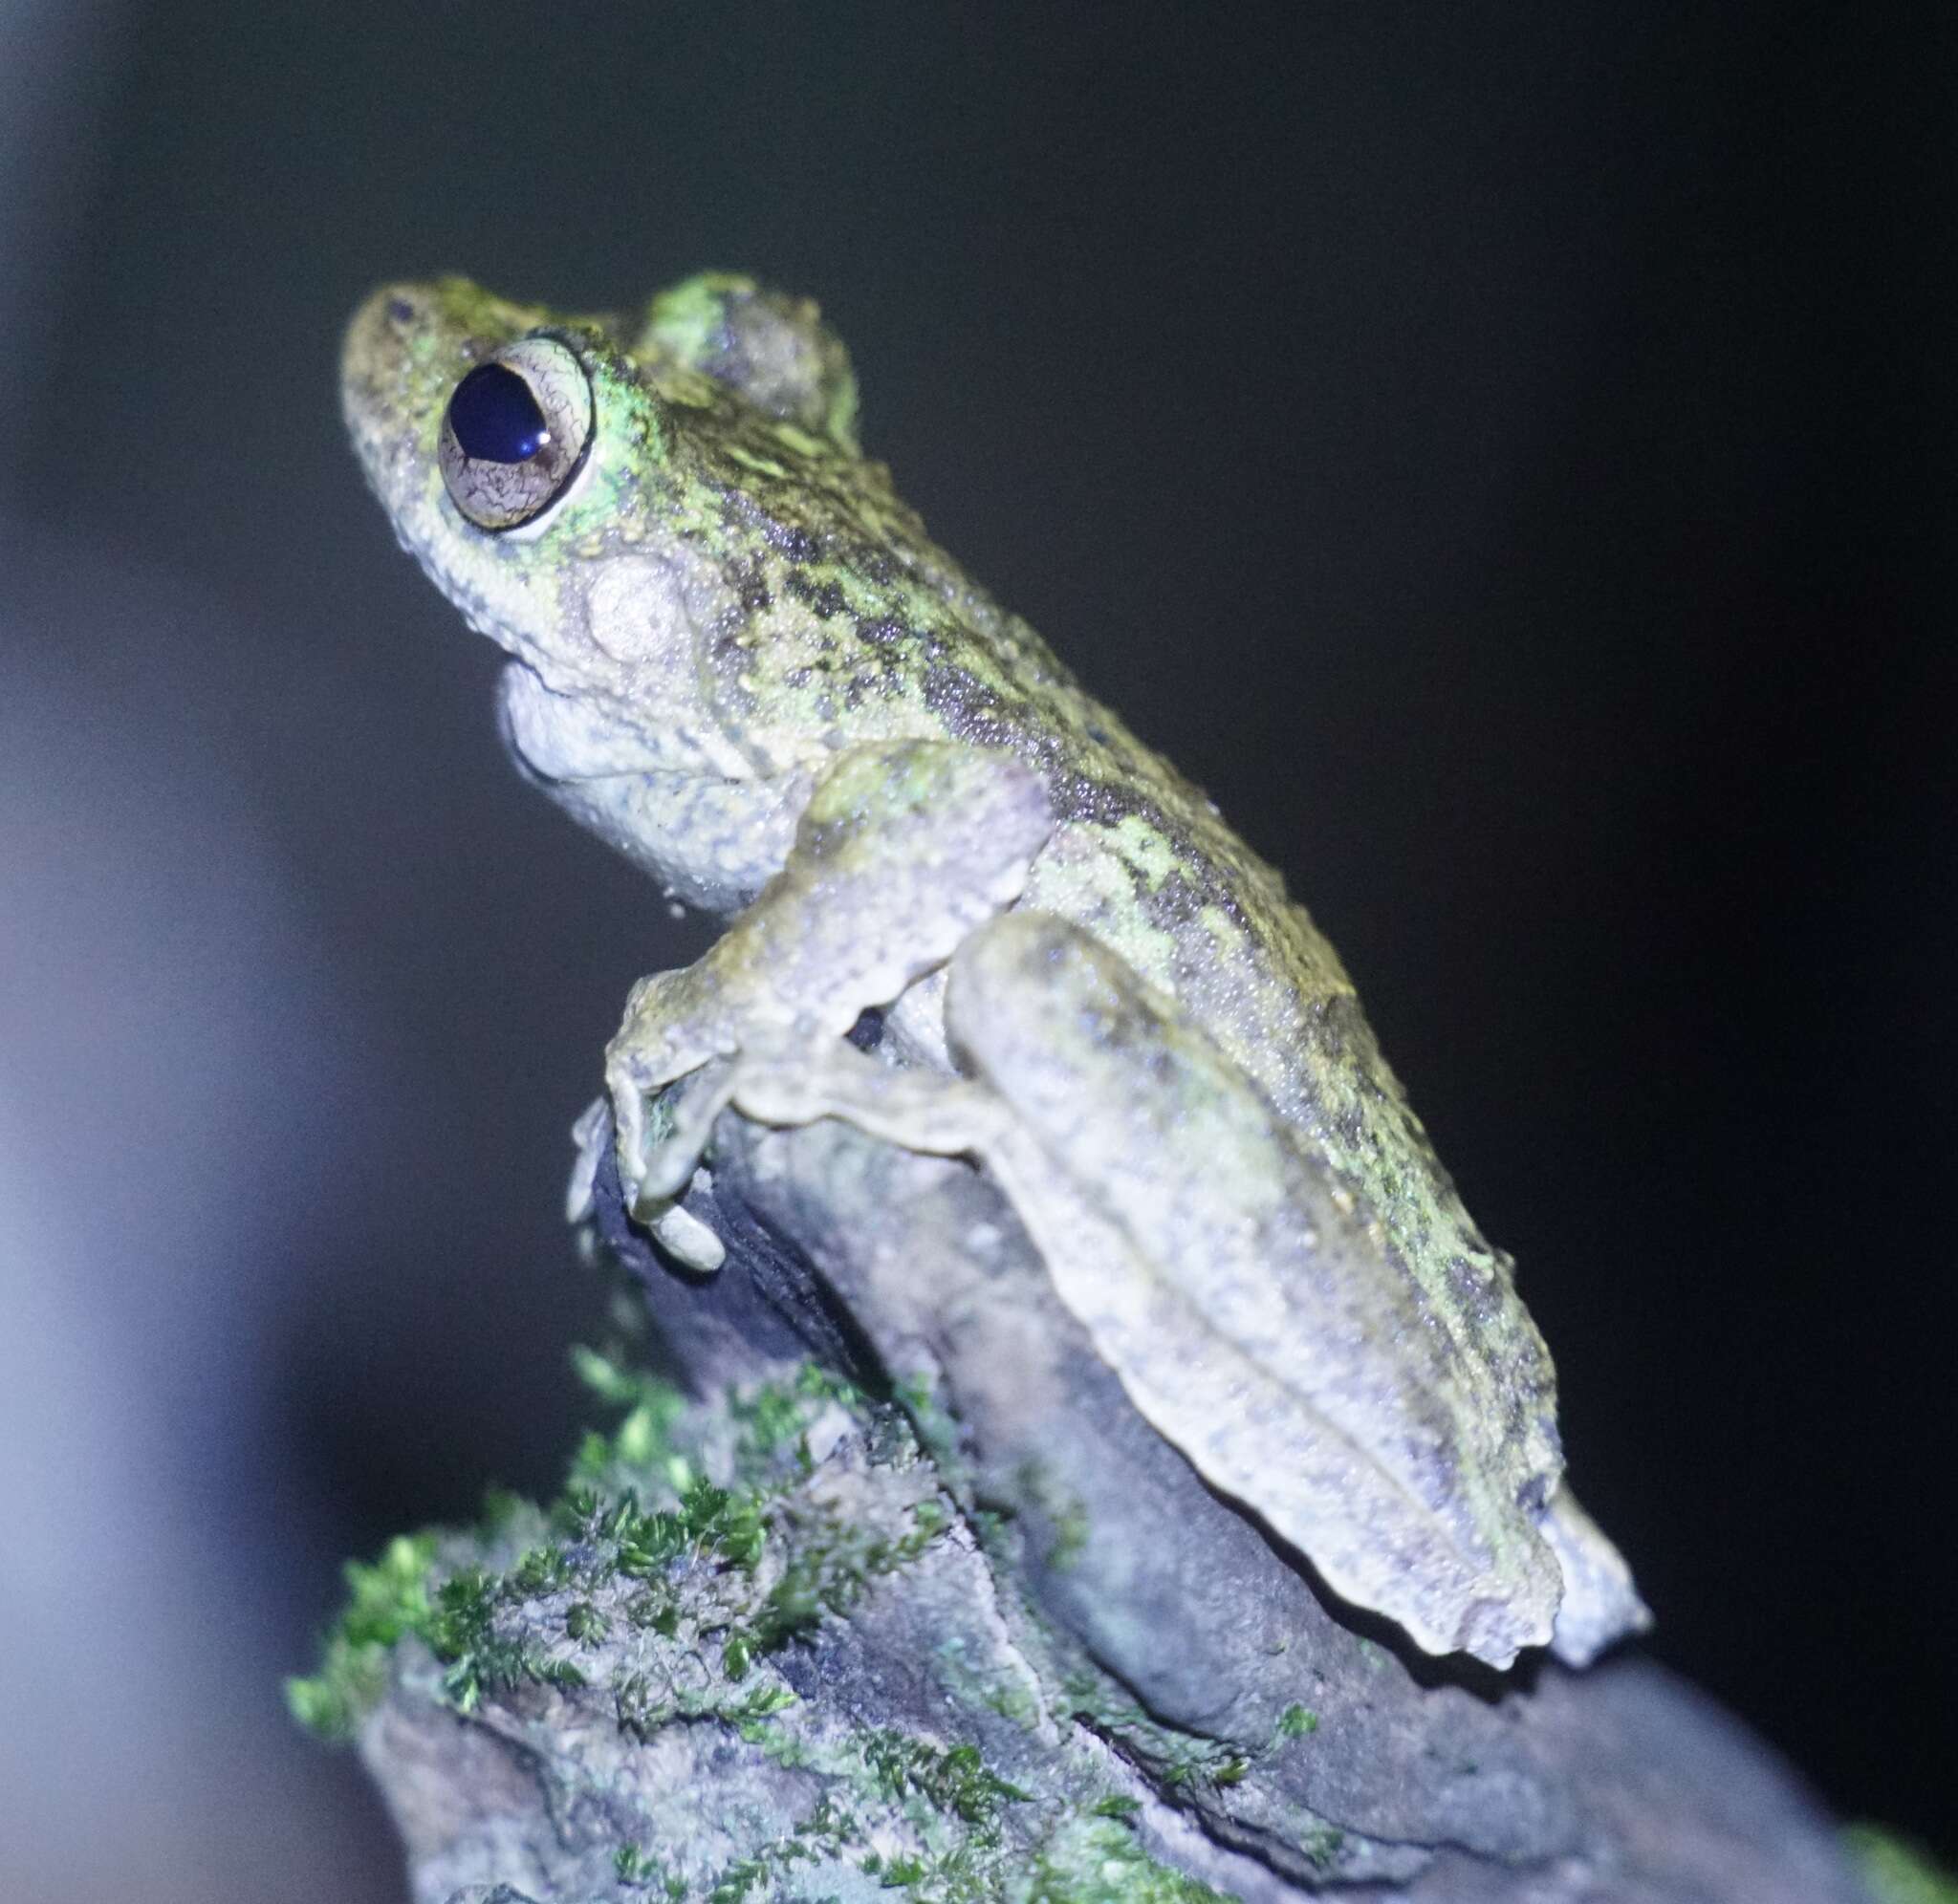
column 711, row 840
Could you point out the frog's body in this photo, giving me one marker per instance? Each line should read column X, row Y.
column 726, row 627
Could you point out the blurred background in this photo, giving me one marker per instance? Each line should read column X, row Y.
column 1503, row 453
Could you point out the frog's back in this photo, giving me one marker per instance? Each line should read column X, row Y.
column 1146, row 863
column 872, row 632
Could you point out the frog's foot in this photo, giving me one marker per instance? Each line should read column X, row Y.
column 678, row 1231
column 661, row 1133
column 783, row 1081
column 684, row 1238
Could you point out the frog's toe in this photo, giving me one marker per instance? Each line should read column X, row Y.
column 591, row 1133
column 662, row 1134
column 598, row 1197
column 686, row 1239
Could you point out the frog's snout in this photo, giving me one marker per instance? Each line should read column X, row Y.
column 374, row 361
column 371, row 359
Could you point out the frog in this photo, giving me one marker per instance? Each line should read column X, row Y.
column 971, row 914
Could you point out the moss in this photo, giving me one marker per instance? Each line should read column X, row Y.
column 934, row 1424
column 955, row 1782
column 386, row 1601
column 831, row 1565
column 643, row 1443
column 1096, row 1861
column 465, row 1634
column 596, row 1532
column 691, row 1558
column 774, row 1416
column 659, row 1593
column 1174, row 1761
column 828, row 1830
column 640, row 1869
column 584, row 1623
column 1897, row 1872
column 1065, row 1512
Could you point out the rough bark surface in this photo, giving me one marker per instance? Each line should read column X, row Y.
column 907, row 1601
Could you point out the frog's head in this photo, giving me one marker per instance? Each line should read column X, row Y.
column 594, row 494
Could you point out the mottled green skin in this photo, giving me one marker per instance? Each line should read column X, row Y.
column 728, row 598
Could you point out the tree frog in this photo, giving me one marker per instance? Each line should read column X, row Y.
column 974, row 916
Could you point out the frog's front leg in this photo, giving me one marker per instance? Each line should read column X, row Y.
column 902, row 849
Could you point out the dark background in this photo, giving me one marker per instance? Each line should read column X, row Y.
column 1503, row 453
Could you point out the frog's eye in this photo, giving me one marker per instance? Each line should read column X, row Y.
column 515, row 433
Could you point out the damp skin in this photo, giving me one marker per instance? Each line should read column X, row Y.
column 735, row 654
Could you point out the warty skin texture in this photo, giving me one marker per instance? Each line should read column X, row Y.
column 728, row 599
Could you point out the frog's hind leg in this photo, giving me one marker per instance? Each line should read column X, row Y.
column 1252, row 1314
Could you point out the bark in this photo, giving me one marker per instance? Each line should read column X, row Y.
column 905, row 1600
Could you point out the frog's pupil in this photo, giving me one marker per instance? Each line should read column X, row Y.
column 494, row 416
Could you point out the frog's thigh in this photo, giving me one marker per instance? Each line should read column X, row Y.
column 1253, row 1320
column 902, row 850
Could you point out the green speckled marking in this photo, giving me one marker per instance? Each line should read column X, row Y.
column 730, row 600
